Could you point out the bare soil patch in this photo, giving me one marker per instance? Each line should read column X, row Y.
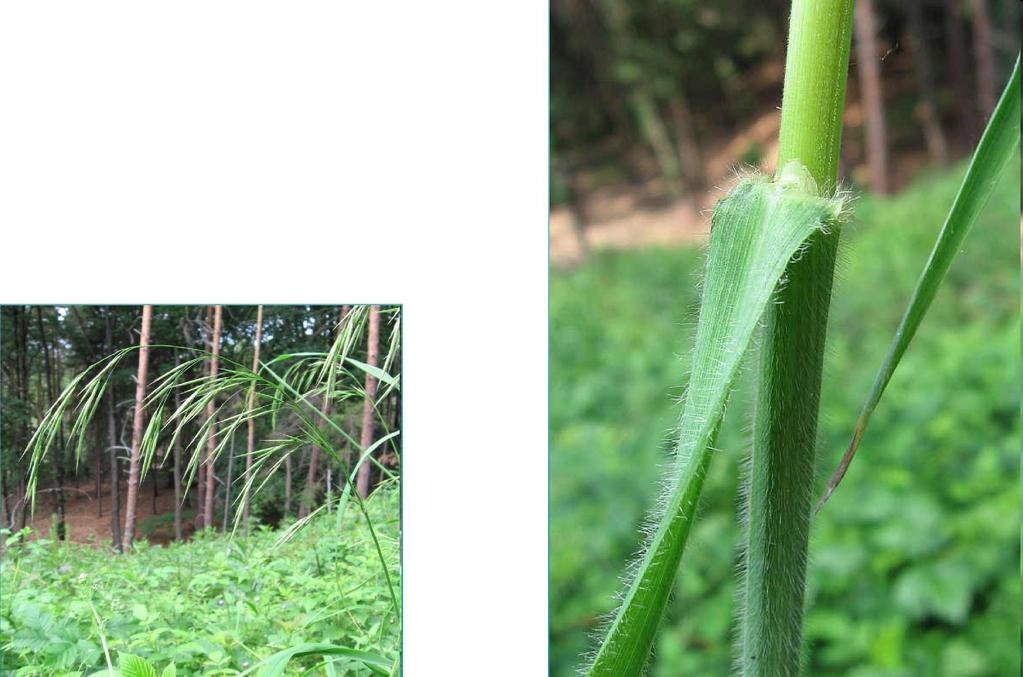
column 88, row 522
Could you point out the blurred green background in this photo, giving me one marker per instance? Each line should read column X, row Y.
column 915, row 566
column 915, row 560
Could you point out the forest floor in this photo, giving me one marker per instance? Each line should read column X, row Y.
column 85, row 524
column 626, row 215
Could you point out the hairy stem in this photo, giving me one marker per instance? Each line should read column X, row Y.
column 787, row 399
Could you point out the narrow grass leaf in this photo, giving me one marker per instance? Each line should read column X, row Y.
column 998, row 146
column 376, row 372
column 275, row 665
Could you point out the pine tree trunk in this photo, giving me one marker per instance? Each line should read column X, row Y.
column 58, row 457
column 58, row 380
column 211, row 440
column 21, row 336
column 656, row 135
column 309, row 494
column 251, row 442
column 690, row 156
column 368, row 414
column 11, row 501
column 642, row 102
column 982, row 51
column 115, row 499
column 97, row 472
column 186, row 500
column 136, row 431
column 227, row 487
column 959, row 71
column 574, row 201
column 871, row 96
column 396, row 413
column 178, row 535
column 287, row 484
column 934, row 136
column 5, row 478
column 22, row 512
column 200, row 513
column 4, row 513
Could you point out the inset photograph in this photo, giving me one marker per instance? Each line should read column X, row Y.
column 784, row 338
column 200, row 490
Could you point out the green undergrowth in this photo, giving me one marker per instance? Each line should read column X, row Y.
column 914, row 562
column 210, row 606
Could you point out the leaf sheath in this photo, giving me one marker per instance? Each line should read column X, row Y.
column 756, row 231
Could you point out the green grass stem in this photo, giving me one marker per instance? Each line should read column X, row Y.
column 780, row 490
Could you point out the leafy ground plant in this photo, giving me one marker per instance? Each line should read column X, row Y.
column 751, row 247
column 214, row 605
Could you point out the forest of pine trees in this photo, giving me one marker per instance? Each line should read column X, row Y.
column 45, row 347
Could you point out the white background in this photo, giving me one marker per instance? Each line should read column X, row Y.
column 310, row 152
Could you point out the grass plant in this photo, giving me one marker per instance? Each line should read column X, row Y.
column 771, row 259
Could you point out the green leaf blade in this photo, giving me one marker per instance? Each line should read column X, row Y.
column 998, row 146
column 275, row 665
